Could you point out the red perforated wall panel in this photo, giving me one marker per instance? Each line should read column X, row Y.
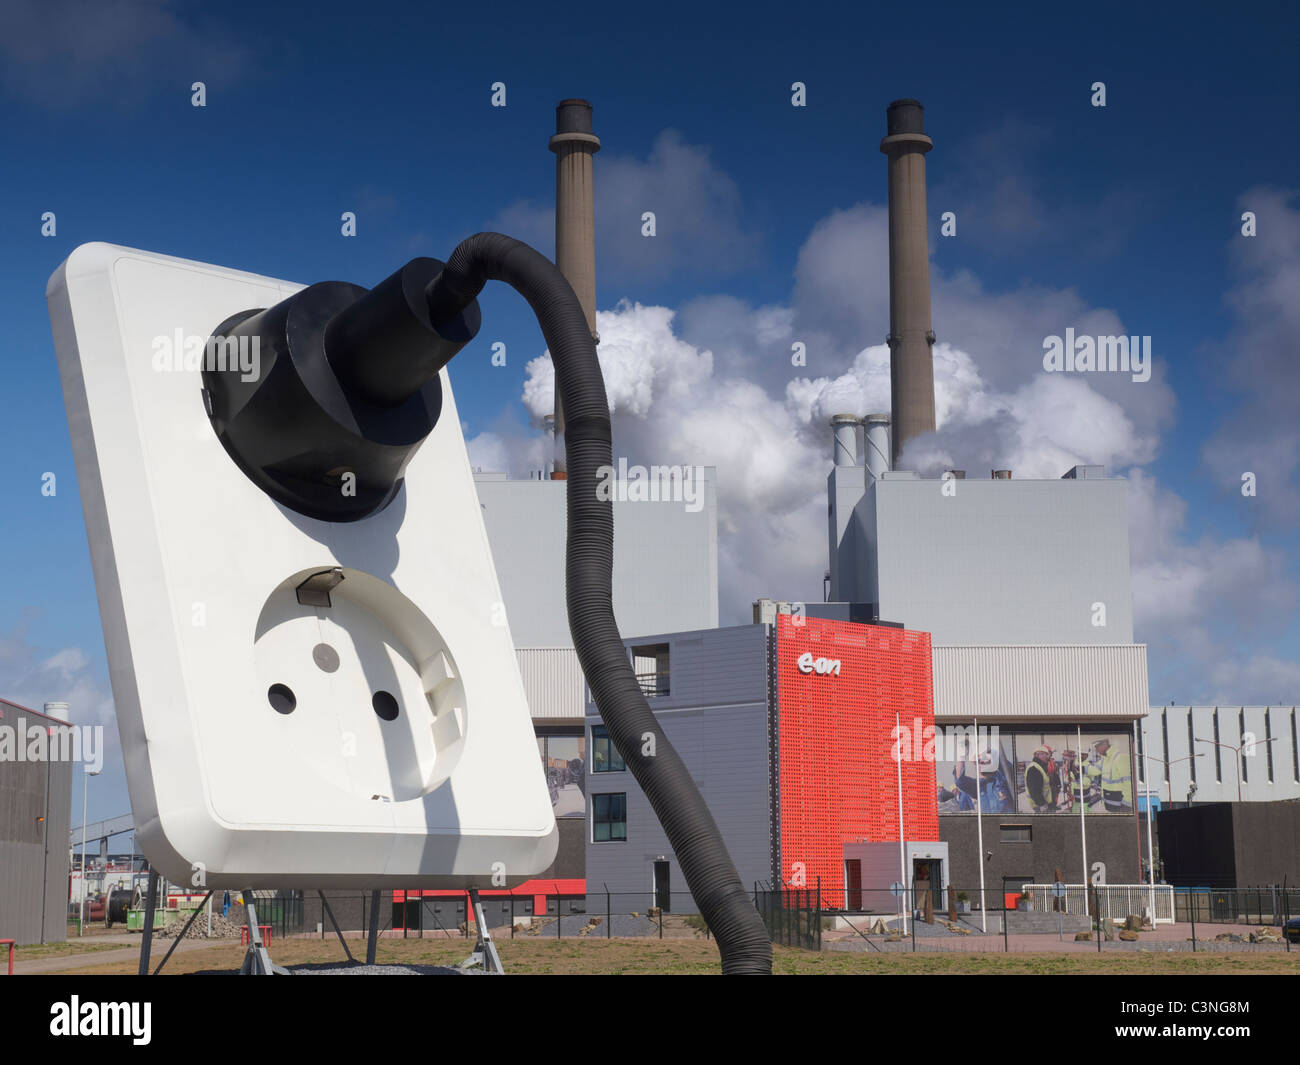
column 838, row 776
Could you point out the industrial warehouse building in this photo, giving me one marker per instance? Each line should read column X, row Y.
column 35, row 809
column 808, row 774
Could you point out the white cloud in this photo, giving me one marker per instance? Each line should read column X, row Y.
column 1260, row 433
column 715, row 385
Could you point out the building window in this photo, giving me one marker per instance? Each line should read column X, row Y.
column 1142, row 752
column 1218, row 756
column 1268, row 742
column 1164, row 739
column 608, row 818
column 650, row 663
column 1295, row 749
column 1191, row 744
column 604, row 755
column 1016, row 833
column 1241, row 754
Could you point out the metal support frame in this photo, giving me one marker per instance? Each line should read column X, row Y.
column 257, row 962
column 337, row 931
column 485, row 956
column 177, row 941
column 150, row 903
column 372, row 937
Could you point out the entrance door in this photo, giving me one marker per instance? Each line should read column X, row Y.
column 929, row 887
column 853, row 884
column 663, row 894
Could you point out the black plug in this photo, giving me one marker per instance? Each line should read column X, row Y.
column 344, row 390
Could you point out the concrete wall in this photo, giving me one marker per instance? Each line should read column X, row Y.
column 1165, row 738
column 1112, row 839
column 1001, row 562
column 845, row 488
column 716, row 717
column 23, row 854
column 665, row 560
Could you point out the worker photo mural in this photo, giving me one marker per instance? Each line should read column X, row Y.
column 988, row 775
column 1056, row 772
column 564, row 758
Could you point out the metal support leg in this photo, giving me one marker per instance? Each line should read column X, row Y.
column 176, row 942
column 150, row 903
column 257, row 962
column 372, row 938
column 485, row 954
column 337, row 931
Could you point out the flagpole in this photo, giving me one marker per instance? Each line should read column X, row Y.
column 1083, row 828
column 979, row 828
column 902, row 847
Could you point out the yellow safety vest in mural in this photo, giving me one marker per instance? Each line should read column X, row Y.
column 1116, row 783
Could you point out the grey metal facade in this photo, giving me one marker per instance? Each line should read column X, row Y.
column 665, row 560
column 1069, row 684
column 716, row 716
column 1190, row 757
column 31, row 850
column 1003, row 561
column 984, row 561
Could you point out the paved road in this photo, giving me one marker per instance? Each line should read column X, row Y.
column 60, row 962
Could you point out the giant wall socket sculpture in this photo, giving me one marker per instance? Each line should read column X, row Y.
column 301, row 703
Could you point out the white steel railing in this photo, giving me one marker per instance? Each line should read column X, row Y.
column 1114, row 900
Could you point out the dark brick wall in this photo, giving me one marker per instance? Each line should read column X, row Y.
column 1055, row 844
column 1224, row 845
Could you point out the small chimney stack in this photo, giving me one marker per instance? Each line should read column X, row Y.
column 877, row 445
column 846, row 439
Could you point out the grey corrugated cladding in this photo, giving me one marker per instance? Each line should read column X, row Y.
column 716, row 717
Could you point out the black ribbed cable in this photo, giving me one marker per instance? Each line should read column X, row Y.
column 743, row 941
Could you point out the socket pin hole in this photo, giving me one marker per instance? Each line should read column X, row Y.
column 281, row 698
column 385, row 706
column 325, row 657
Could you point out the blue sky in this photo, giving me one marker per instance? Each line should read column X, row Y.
column 1067, row 213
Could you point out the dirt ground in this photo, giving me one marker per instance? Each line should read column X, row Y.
column 685, row 956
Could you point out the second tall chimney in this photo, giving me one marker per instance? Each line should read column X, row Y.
column 574, row 144
column 911, row 362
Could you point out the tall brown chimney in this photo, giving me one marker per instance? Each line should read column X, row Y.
column 911, row 362
column 574, row 144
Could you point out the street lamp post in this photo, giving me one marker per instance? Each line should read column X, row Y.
column 85, row 882
column 1151, row 855
column 1236, row 754
column 1174, row 761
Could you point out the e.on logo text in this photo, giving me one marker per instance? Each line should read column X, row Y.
column 822, row 666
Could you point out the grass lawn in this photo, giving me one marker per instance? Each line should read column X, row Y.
column 686, row 956
column 50, row 950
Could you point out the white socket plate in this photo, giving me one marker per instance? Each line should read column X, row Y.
column 195, row 569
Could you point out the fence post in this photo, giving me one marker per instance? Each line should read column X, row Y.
column 1191, row 910
column 609, row 916
column 912, row 908
column 1006, row 940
